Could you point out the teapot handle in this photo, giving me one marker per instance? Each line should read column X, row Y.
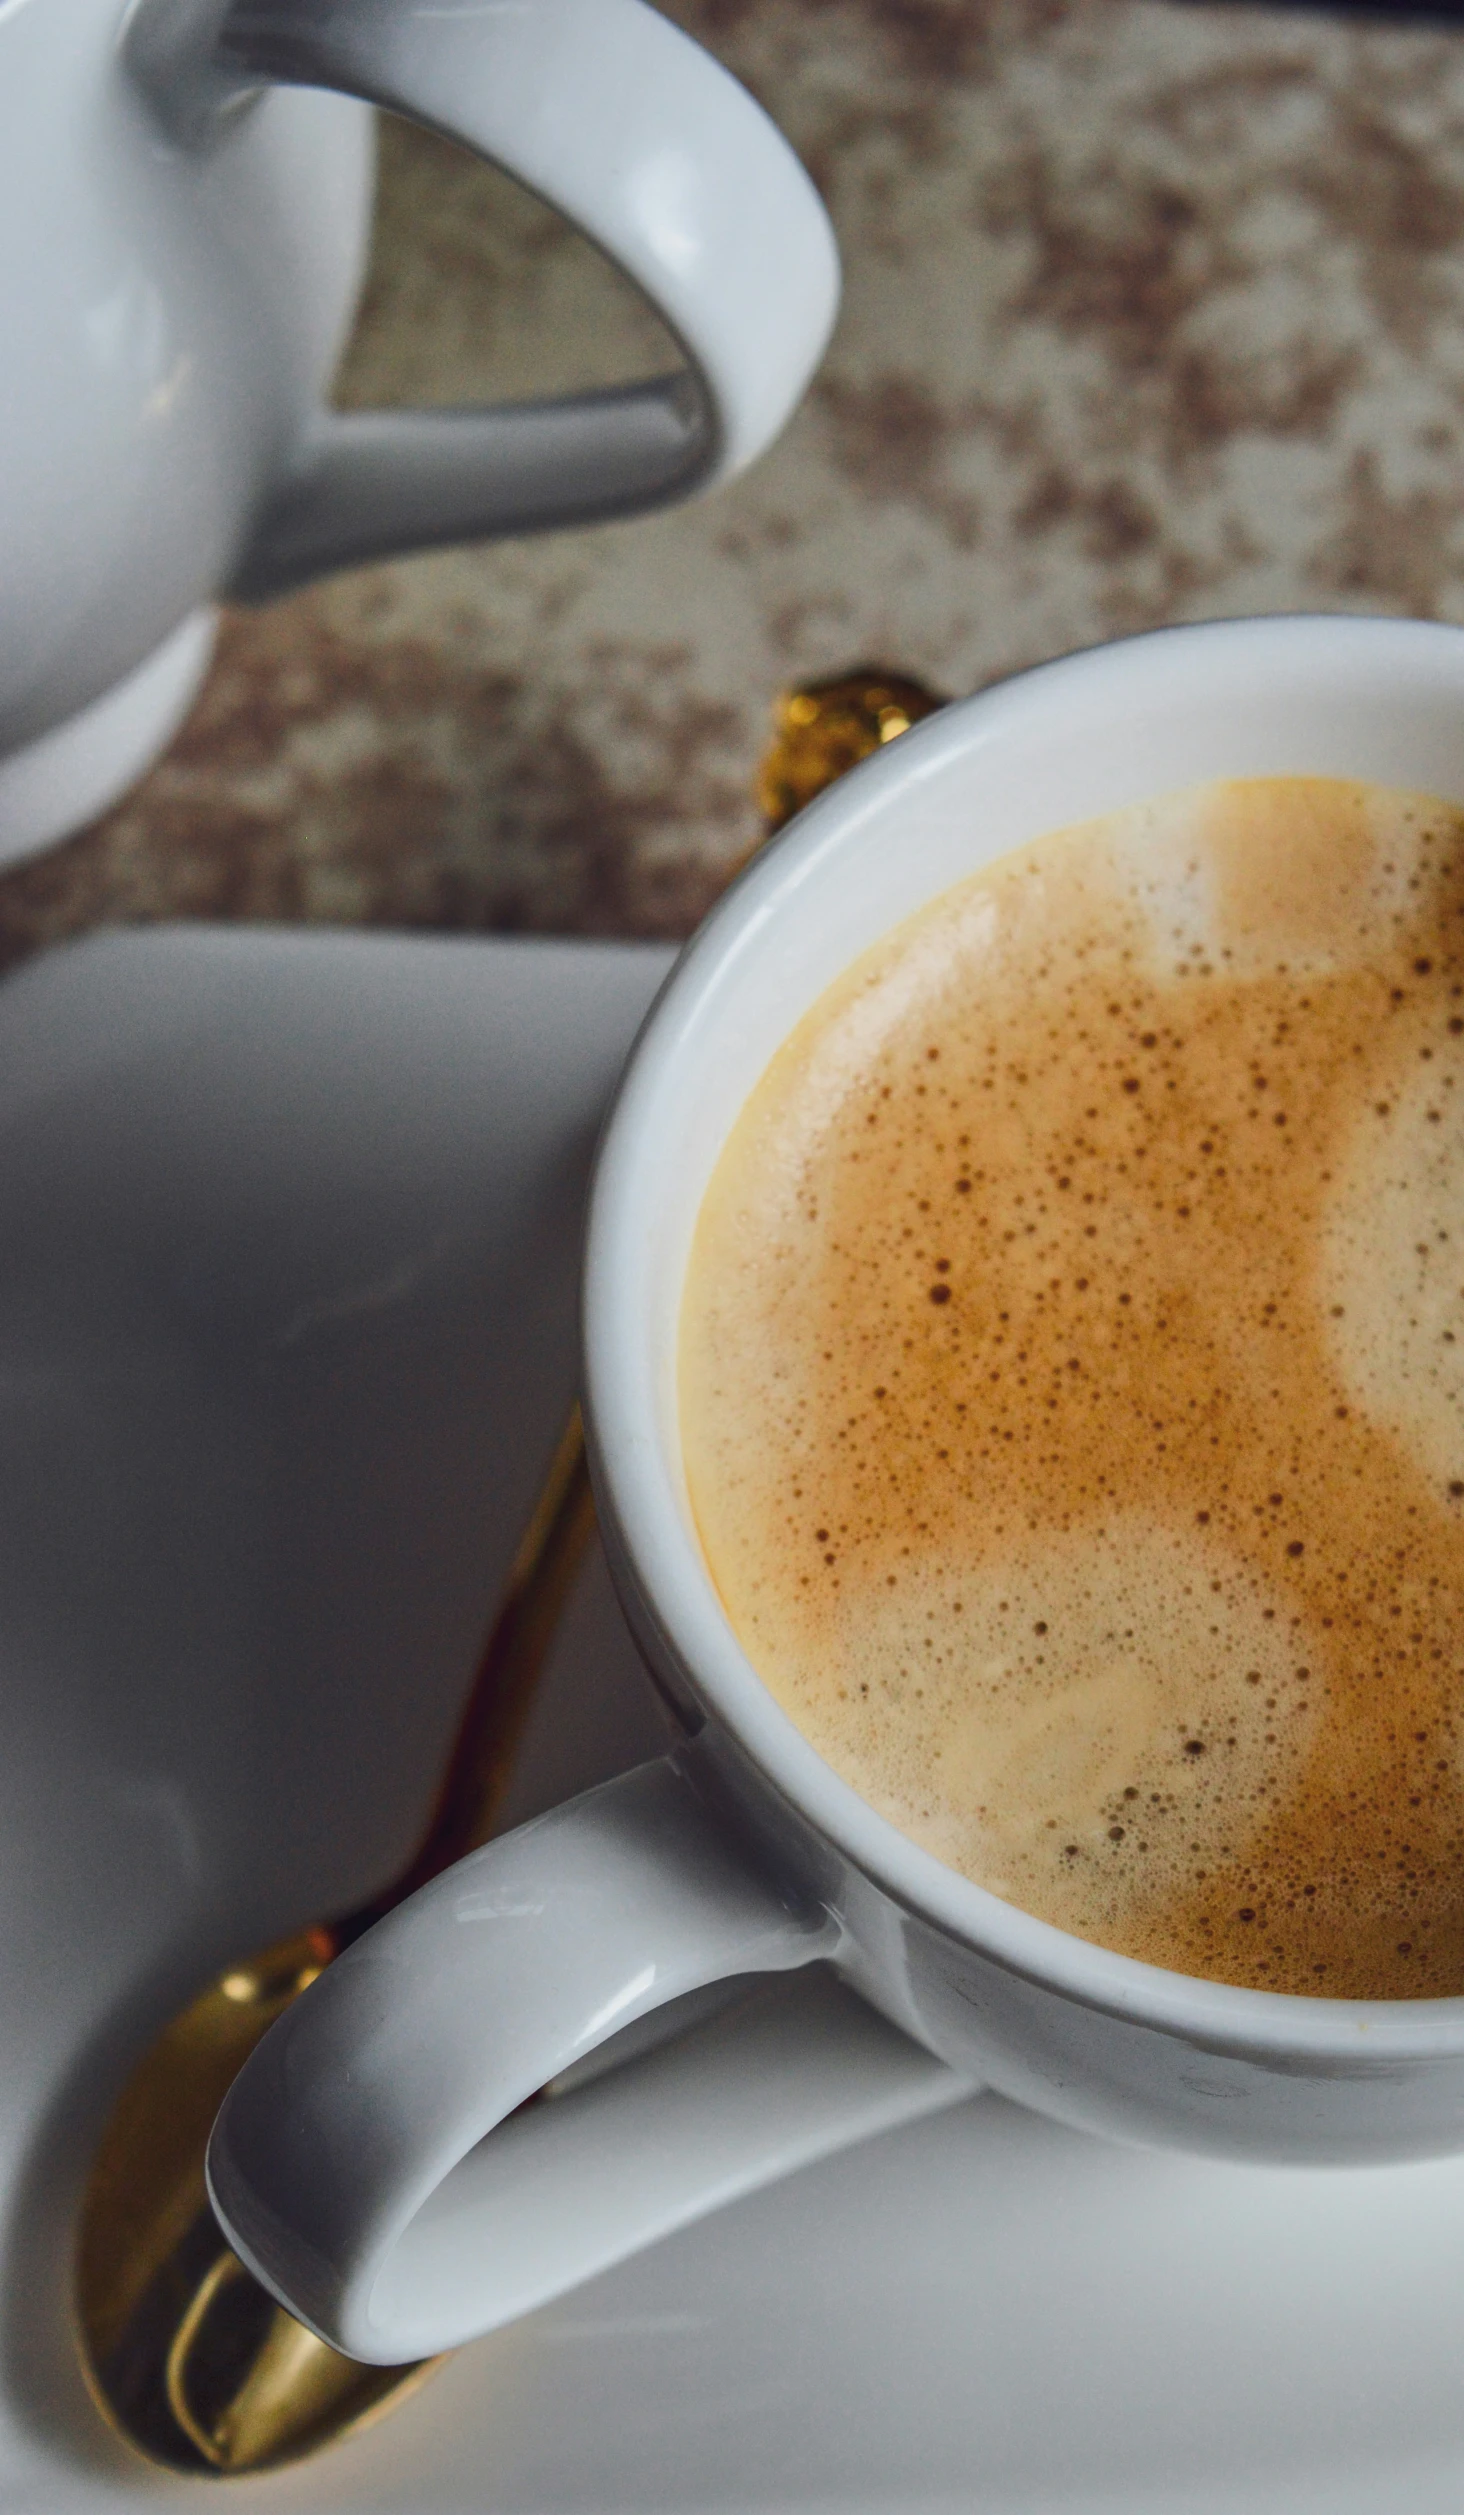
column 620, row 121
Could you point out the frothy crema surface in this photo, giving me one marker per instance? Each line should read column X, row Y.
column 1072, row 1383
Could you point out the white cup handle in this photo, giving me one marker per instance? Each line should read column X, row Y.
column 351, row 2165
column 622, row 122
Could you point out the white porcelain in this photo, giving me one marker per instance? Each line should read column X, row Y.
column 66, row 777
column 190, row 209
column 350, row 2162
column 287, row 1272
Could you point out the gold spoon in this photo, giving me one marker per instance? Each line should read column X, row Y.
column 184, row 2351
column 186, row 2355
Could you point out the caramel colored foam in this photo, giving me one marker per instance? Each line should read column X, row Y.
column 1072, row 1383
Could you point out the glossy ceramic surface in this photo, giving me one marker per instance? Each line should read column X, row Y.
column 1093, row 2038
column 166, row 336
column 195, row 233
column 266, row 1443
column 350, row 2163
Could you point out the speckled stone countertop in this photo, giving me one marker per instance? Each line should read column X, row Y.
column 1151, row 312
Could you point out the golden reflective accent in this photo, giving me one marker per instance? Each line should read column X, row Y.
column 830, row 726
column 190, row 2360
column 187, row 2356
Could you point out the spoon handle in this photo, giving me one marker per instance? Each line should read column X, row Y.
column 490, row 1733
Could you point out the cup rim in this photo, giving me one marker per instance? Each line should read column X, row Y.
column 659, row 1551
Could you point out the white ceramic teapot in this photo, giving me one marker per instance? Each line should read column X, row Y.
column 186, row 214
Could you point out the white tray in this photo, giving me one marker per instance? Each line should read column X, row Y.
column 287, row 1252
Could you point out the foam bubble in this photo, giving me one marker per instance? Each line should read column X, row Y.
column 1067, row 1364
column 1392, row 1266
column 1061, row 1721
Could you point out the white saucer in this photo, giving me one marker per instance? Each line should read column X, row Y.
column 287, row 1259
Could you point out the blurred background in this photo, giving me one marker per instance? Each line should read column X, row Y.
column 1151, row 312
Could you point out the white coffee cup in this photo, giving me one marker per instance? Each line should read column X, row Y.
column 352, row 2164
column 187, row 214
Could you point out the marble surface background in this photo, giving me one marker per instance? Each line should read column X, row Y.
column 1153, row 311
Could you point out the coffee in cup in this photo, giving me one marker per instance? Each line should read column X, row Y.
column 1072, row 1382
column 375, row 2164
